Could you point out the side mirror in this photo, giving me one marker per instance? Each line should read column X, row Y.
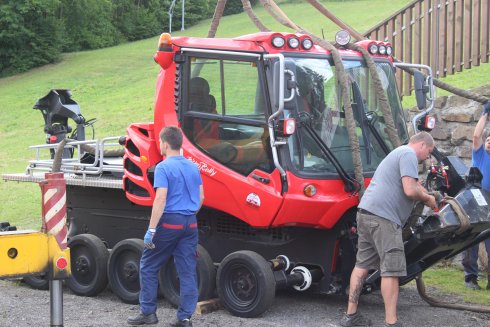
column 420, row 90
column 288, row 82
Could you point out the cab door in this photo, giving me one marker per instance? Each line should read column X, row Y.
column 224, row 113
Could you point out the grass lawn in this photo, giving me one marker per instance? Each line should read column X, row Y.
column 449, row 280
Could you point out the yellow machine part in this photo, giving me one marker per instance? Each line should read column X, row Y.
column 30, row 252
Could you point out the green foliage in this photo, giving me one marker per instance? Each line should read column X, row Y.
column 29, row 35
column 35, row 32
column 88, row 24
column 236, row 7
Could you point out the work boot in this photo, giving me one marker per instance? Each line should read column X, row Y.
column 472, row 283
column 355, row 319
column 181, row 323
column 396, row 324
column 142, row 319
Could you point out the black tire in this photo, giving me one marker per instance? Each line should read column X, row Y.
column 89, row 258
column 124, row 269
column 246, row 284
column 38, row 282
column 206, row 278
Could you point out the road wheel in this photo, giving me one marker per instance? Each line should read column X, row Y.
column 38, row 282
column 124, row 269
column 246, row 284
column 206, row 278
column 88, row 265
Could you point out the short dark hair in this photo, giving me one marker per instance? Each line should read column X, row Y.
column 173, row 136
column 422, row 137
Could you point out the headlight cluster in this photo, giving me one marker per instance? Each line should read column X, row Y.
column 293, row 42
column 384, row 49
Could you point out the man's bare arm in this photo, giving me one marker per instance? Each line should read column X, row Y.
column 477, row 134
column 415, row 191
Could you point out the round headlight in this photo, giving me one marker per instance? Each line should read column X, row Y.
column 278, row 41
column 389, row 50
column 293, row 42
column 382, row 49
column 342, row 37
column 307, row 44
column 373, row 48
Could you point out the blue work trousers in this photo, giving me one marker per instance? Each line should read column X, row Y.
column 176, row 235
column 470, row 260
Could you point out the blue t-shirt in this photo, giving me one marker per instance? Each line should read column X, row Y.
column 182, row 179
column 481, row 159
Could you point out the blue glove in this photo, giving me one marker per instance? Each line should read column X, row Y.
column 486, row 108
column 148, row 239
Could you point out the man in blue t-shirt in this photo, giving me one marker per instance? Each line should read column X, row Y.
column 172, row 231
column 481, row 159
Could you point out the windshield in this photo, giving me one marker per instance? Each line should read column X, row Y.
column 320, row 106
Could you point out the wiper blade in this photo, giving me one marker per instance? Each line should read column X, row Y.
column 349, row 182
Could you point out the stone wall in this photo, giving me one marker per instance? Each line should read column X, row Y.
column 456, row 118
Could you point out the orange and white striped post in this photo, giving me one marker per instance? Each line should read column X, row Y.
column 53, row 190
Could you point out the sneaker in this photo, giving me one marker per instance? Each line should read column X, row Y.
column 142, row 319
column 472, row 283
column 181, row 323
column 355, row 319
column 396, row 324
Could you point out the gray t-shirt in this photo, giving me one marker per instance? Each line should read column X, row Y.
column 384, row 196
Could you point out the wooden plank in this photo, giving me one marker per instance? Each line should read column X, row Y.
column 450, row 38
column 427, row 36
column 207, row 306
column 382, row 33
column 458, row 35
column 407, row 81
column 417, row 35
column 485, row 17
column 390, row 29
column 467, row 34
column 434, row 62
column 399, row 47
column 475, row 40
column 441, row 61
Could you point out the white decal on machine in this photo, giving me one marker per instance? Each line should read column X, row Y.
column 253, row 199
column 203, row 166
column 480, row 199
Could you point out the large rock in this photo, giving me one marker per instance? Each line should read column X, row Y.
column 462, row 114
column 440, row 133
column 462, row 133
column 464, row 151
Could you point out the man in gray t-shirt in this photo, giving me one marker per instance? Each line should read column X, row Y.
column 383, row 211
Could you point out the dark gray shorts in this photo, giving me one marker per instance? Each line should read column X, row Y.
column 380, row 246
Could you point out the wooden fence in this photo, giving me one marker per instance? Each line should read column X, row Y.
column 448, row 35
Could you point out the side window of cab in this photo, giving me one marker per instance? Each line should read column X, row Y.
column 225, row 115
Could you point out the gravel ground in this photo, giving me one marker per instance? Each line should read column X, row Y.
column 22, row 306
